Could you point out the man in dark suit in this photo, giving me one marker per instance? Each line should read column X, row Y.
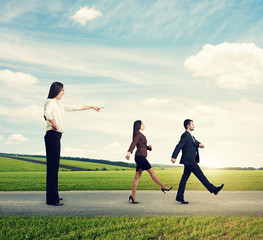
column 190, row 157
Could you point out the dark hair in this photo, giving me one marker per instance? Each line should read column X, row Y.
column 187, row 122
column 136, row 127
column 55, row 89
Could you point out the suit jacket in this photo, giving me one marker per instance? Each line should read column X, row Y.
column 189, row 148
column 140, row 142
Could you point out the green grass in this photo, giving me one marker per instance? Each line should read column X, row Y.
column 17, row 175
column 122, row 180
column 13, row 165
column 131, row 228
column 93, row 166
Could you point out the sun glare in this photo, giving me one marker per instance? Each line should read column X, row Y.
column 213, row 163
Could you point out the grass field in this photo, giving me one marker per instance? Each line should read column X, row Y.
column 131, row 228
column 122, row 180
column 87, row 165
column 19, row 175
column 13, row 165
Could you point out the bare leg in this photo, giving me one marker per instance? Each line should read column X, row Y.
column 135, row 183
column 155, row 178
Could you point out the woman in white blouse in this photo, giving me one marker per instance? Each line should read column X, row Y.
column 53, row 114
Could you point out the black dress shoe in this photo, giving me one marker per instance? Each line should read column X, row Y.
column 60, row 199
column 56, row 204
column 181, row 201
column 216, row 191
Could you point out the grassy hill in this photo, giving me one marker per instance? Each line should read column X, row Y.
column 13, row 165
column 19, row 175
column 39, row 157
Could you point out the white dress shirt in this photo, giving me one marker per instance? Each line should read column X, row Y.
column 55, row 110
column 191, row 135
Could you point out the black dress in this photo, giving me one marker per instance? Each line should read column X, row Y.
column 142, row 163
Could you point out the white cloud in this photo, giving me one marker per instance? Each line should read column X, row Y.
column 75, row 152
column 12, row 10
column 18, row 79
column 109, row 152
column 31, row 113
column 221, row 127
column 139, row 66
column 232, row 65
column 42, row 152
column 85, row 14
column 16, row 139
column 206, row 109
column 5, row 111
column 234, row 144
column 156, row 101
column 216, row 126
column 1, row 138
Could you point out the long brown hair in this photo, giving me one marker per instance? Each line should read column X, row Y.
column 54, row 90
column 136, row 127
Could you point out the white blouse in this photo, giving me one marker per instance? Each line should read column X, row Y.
column 55, row 110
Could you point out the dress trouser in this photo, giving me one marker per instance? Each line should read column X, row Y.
column 195, row 169
column 52, row 143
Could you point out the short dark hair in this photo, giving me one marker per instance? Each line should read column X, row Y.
column 187, row 122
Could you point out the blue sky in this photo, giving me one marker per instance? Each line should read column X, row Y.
column 158, row 61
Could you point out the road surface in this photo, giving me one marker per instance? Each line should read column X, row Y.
column 151, row 203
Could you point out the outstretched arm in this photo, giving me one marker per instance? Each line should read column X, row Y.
column 72, row 108
column 92, row 107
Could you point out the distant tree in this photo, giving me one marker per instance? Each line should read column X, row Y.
column 251, row 168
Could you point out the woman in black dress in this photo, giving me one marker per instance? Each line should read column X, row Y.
column 139, row 140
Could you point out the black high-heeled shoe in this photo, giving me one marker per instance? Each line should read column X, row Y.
column 131, row 198
column 164, row 189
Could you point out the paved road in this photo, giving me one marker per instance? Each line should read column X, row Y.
column 115, row 203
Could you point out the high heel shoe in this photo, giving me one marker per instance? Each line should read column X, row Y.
column 164, row 189
column 131, row 198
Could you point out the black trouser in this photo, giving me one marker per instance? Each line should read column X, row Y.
column 195, row 169
column 52, row 142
